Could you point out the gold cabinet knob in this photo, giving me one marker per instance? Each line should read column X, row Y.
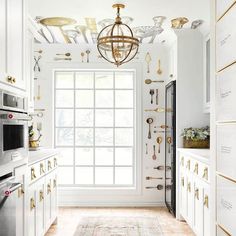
column 11, row 79
column 55, row 162
column 42, row 171
column 54, row 183
column 196, row 193
column 196, row 168
column 205, row 173
column 49, row 165
column 41, row 195
column 189, row 187
column 32, row 204
column 33, row 175
column 206, row 201
column 182, row 181
column 49, row 188
column 20, row 192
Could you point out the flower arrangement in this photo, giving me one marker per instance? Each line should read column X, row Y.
column 196, row 133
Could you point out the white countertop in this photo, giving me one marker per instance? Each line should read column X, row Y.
column 36, row 156
column 201, row 154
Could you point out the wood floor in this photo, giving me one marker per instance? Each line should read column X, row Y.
column 69, row 217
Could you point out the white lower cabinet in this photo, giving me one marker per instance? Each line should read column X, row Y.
column 42, row 201
column 194, row 194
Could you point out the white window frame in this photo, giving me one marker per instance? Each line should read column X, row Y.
column 136, row 127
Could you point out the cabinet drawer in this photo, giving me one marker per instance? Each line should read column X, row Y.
column 225, row 40
column 223, row 6
column 226, row 94
column 226, row 150
column 226, row 204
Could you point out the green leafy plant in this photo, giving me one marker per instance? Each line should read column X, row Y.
column 196, row 134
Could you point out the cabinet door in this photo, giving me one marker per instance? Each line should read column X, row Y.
column 48, row 190
column 206, row 210
column 198, row 208
column 31, row 206
column 15, row 41
column 54, row 196
column 190, row 198
column 40, row 195
column 183, row 195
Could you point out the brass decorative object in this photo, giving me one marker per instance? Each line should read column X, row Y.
column 159, row 141
column 159, row 70
column 116, row 42
column 58, row 22
column 179, row 22
column 148, row 59
column 154, row 157
column 82, row 56
column 68, row 54
column 149, row 81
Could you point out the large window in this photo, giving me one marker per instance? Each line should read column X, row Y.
column 95, row 127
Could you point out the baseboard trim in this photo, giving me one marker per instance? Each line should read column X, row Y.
column 111, row 204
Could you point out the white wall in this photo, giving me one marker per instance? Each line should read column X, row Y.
column 140, row 196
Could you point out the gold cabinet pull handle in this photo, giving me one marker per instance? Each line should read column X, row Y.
column 182, row 181
column 205, row 173
column 206, row 201
column 49, row 188
column 20, row 192
column 189, row 187
column 54, row 183
column 41, row 196
column 33, row 175
column 32, row 204
column 55, row 162
column 49, row 165
column 42, row 171
column 188, row 165
column 197, row 193
column 196, row 168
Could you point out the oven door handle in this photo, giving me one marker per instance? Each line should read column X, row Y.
column 12, row 189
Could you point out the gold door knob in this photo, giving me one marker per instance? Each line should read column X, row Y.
column 55, row 162
column 41, row 196
column 20, row 192
column 32, row 204
column 189, row 187
column 196, row 168
column 49, row 188
column 206, row 201
column 197, row 193
column 205, row 173
column 49, row 165
column 33, row 175
column 42, row 171
column 54, row 183
column 182, row 181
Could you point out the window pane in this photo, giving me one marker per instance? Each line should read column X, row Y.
column 103, row 175
column 65, row 175
column 84, row 117
column 103, row 137
column 84, row 175
column 66, row 156
column 104, row 98
column 123, row 175
column 124, row 156
column 84, row 156
column 124, row 137
column 64, row 80
column 124, row 99
column 104, row 156
column 104, row 118
column 104, row 79
column 64, row 136
column 64, row 117
column 84, row 98
column 84, row 80
column 84, row 137
column 64, row 98
column 124, row 80
column 124, row 118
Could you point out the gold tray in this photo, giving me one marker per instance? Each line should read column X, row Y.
column 57, row 21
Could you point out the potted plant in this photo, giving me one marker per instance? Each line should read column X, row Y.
column 196, row 137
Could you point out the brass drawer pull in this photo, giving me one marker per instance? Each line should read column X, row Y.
column 49, row 188
column 55, row 162
column 182, row 181
column 189, row 187
column 205, row 173
column 42, row 171
column 206, row 201
column 197, row 193
column 49, row 165
column 33, row 175
column 11, row 79
column 41, row 196
column 54, row 183
column 196, row 168
column 188, row 165
column 20, row 192
column 32, row 204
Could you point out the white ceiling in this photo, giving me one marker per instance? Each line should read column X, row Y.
column 141, row 10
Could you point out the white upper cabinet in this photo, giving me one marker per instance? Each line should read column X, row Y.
column 12, row 43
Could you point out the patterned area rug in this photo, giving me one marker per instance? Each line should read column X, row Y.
column 118, row 226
